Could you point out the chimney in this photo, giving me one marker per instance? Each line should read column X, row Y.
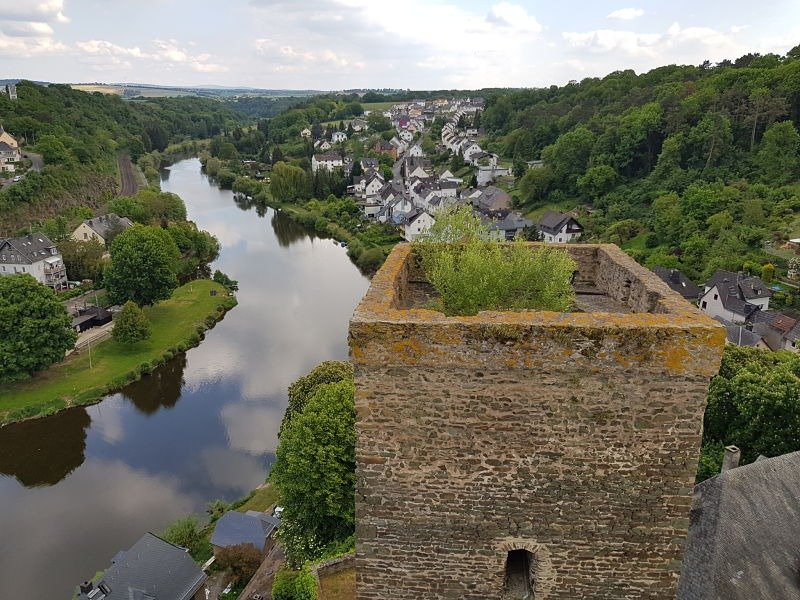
column 731, row 458
column 86, row 587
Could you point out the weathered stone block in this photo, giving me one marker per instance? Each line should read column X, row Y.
column 559, row 445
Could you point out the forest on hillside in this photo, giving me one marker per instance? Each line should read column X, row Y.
column 79, row 135
column 694, row 167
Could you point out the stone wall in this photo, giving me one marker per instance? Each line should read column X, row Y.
column 572, row 436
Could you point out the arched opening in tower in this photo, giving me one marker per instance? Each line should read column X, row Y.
column 520, row 566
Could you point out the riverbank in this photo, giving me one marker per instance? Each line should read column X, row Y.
column 86, row 377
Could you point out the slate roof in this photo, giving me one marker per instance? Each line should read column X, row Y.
column 749, row 287
column 28, row 249
column 102, row 225
column 741, row 336
column 152, row 568
column 235, row 528
column 744, row 533
column 678, row 282
column 492, row 199
column 553, row 222
column 331, row 156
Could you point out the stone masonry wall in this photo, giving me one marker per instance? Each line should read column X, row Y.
column 572, row 436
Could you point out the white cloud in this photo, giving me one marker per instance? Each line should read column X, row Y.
column 514, row 16
column 47, row 11
column 105, row 54
column 626, row 14
column 612, row 40
column 26, row 28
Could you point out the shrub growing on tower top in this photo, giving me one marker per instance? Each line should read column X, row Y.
column 472, row 273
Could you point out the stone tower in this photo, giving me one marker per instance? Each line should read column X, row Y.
column 528, row 454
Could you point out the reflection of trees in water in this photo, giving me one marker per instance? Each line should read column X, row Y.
column 163, row 173
column 161, row 388
column 44, row 451
column 244, row 203
column 288, row 231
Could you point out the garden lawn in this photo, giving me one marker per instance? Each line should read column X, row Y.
column 73, row 382
column 261, row 500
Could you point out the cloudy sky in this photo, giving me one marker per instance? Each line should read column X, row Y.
column 336, row 44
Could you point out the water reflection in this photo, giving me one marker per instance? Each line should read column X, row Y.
column 44, row 451
column 286, row 230
column 160, row 389
column 204, row 426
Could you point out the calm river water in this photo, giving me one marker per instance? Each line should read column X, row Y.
column 80, row 486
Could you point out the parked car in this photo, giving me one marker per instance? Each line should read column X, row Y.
column 17, row 178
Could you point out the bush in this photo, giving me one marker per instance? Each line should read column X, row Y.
column 241, row 561
column 472, row 274
column 131, row 325
column 305, row 585
column 283, row 587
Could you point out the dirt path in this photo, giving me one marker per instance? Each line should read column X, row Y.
column 130, row 185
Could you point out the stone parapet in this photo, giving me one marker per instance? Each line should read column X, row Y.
column 570, row 436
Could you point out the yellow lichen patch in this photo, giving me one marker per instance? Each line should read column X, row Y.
column 676, row 358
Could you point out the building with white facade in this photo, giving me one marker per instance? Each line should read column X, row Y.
column 35, row 255
column 734, row 296
column 329, row 161
column 559, row 227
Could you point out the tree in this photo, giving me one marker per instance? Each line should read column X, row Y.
column 35, row 329
column 314, row 472
column 768, row 272
column 277, row 155
column 597, row 181
column 144, row 264
column 754, row 403
column 242, row 561
column 778, row 156
column 301, row 390
column 222, row 279
column 289, row 183
column 131, row 325
column 186, row 533
column 83, row 260
column 535, row 185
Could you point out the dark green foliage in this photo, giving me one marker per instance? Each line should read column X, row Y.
column 710, row 462
column 144, row 263
column 754, row 403
column 34, row 327
column 131, row 325
column 187, row 533
column 283, row 585
column 83, row 260
column 314, row 472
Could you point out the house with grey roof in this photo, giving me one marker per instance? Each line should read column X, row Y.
column 508, row 227
column 490, row 199
column 559, row 227
column 744, row 532
column 236, row 528
column 153, row 569
column 35, row 255
column 734, row 296
column 678, row 282
column 101, row 229
column 778, row 331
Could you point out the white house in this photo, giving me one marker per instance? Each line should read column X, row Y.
column 328, row 161
column 359, row 125
column 35, row 255
column 416, row 225
column 468, row 149
column 9, row 157
column 338, row 137
column 406, row 135
column 306, row 133
column 373, row 184
column 100, row 228
column 559, row 227
column 415, row 150
column 734, row 296
column 323, row 145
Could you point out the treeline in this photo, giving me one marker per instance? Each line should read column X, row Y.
column 692, row 167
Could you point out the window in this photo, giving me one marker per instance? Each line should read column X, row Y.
column 716, row 297
column 519, row 575
column 704, row 304
column 85, row 236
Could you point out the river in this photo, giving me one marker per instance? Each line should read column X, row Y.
column 78, row 487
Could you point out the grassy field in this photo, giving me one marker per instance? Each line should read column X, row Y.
column 174, row 324
column 338, row 586
column 378, row 105
column 261, row 500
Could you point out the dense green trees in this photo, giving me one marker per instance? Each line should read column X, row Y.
column 144, row 266
column 289, row 183
column 34, row 327
column 754, row 403
column 314, row 470
column 131, row 325
column 83, row 260
column 149, row 207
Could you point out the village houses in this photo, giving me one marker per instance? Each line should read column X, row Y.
column 35, row 255
column 559, row 227
column 328, row 161
column 101, row 229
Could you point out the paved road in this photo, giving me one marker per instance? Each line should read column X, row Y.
column 130, row 185
column 37, row 162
